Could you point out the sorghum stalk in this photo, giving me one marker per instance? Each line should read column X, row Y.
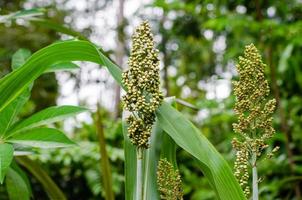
column 139, row 173
column 143, row 96
column 255, row 177
column 254, row 111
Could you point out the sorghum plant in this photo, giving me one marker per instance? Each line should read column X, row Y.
column 143, row 96
column 168, row 181
column 254, row 110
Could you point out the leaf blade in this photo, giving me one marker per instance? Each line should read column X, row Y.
column 14, row 83
column 6, row 157
column 42, row 138
column 46, row 116
column 213, row 165
column 16, row 186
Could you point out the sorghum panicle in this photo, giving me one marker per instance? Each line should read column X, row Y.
column 168, row 181
column 253, row 110
column 142, row 81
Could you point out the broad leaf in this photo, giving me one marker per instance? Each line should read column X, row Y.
column 14, row 83
column 17, row 185
column 9, row 114
column 6, row 157
column 188, row 137
column 42, row 137
column 52, row 190
column 19, row 58
column 46, row 116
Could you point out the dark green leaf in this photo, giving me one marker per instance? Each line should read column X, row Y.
column 42, row 137
column 187, row 136
column 46, row 116
column 6, row 157
column 17, row 185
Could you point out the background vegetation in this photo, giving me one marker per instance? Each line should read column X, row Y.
column 199, row 42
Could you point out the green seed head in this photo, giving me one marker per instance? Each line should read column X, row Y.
column 142, row 82
column 253, row 110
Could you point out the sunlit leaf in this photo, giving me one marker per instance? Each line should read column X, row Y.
column 46, row 116
column 42, row 138
column 14, row 83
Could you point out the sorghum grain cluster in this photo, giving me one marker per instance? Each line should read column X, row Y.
column 142, row 82
column 253, row 110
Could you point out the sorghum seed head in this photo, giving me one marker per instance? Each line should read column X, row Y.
column 143, row 96
column 253, row 110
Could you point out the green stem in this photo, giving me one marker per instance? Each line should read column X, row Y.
column 53, row 191
column 104, row 161
column 255, row 178
column 139, row 173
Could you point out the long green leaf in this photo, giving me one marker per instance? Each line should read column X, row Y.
column 6, row 157
column 187, row 136
column 48, row 184
column 151, row 158
column 46, row 116
column 9, row 114
column 130, row 163
column 16, row 186
column 58, row 28
column 14, row 83
column 42, row 138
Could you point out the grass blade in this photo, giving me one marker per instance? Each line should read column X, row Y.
column 188, row 137
column 14, row 83
column 42, row 138
column 48, row 184
column 46, row 116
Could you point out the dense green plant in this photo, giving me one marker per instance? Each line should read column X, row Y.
column 170, row 125
column 196, row 60
column 171, row 121
column 17, row 135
